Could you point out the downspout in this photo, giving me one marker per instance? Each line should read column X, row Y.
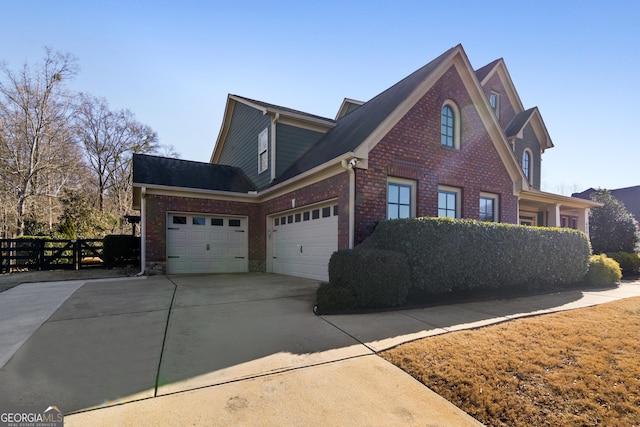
column 349, row 166
column 143, row 231
column 274, row 119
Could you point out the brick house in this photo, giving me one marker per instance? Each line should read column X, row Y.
column 284, row 189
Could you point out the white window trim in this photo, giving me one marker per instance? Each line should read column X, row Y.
column 458, row 192
column 263, row 148
column 530, row 176
column 456, row 124
column 402, row 181
column 496, row 204
column 497, row 109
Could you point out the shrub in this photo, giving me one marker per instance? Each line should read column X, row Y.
column 372, row 278
column 629, row 262
column 447, row 255
column 603, row 271
column 121, row 250
column 332, row 298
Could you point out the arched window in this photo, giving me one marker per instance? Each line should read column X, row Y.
column 450, row 125
column 526, row 164
column 448, row 129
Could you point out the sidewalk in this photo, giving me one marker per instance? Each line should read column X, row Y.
column 233, row 350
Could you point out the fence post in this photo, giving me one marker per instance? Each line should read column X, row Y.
column 39, row 254
column 2, row 256
column 75, row 254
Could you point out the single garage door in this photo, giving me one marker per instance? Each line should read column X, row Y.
column 304, row 240
column 206, row 244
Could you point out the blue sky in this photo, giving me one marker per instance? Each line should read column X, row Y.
column 173, row 63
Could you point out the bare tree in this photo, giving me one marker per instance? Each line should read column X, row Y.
column 35, row 114
column 109, row 139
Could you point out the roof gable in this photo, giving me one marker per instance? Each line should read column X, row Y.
column 167, row 172
column 282, row 114
column 348, row 105
column 515, row 129
column 499, row 67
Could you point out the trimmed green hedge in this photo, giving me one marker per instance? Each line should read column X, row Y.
column 121, row 250
column 603, row 271
column 629, row 262
column 446, row 255
column 365, row 278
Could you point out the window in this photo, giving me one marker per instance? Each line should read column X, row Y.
column 326, row 212
column 179, row 219
column 398, row 201
column 218, row 222
column 263, row 152
column 494, row 101
column 234, row 223
column 448, row 202
column 488, row 207
column 526, row 164
column 198, row 220
column 401, row 196
column 450, row 126
column 447, row 126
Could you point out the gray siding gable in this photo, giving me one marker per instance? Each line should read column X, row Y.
column 530, row 141
column 291, row 143
column 241, row 144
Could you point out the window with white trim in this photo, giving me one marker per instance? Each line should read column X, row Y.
column 449, row 199
column 494, row 101
column 263, row 151
column 489, row 207
column 401, row 198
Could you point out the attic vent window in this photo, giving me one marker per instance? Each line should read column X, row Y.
column 263, row 157
column 494, row 101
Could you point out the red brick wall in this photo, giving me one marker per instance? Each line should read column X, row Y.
column 412, row 149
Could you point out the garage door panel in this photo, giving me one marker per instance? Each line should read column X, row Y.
column 206, row 244
column 304, row 248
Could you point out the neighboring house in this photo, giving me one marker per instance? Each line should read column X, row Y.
column 284, row 189
column 629, row 196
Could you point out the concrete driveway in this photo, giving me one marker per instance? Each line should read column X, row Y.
column 228, row 349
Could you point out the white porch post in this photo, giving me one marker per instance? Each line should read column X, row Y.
column 583, row 221
column 554, row 216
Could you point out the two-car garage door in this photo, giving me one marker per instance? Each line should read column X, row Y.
column 206, row 244
column 300, row 242
column 303, row 241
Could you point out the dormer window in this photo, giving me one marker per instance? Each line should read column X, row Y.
column 494, row 101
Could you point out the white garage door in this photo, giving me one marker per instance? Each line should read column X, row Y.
column 206, row 244
column 303, row 241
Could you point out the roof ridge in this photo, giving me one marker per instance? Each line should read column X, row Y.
column 280, row 107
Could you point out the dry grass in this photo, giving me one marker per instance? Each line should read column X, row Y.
column 575, row 368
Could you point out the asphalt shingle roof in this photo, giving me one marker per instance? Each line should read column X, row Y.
column 518, row 122
column 352, row 129
column 154, row 170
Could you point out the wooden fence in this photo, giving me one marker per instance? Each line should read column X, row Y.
column 50, row 254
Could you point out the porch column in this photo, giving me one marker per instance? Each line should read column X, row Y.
column 554, row 216
column 583, row 220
